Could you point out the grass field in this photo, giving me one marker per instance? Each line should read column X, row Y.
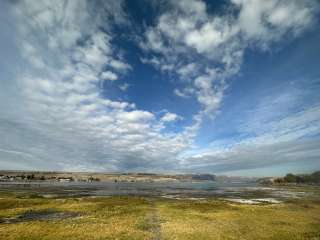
column 155, row 218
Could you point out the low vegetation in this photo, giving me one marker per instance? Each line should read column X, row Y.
column 155, row 218
column 313, row 178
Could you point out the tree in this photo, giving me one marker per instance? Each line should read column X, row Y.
column 315, row 177
column 30, row 177
column 291, row 178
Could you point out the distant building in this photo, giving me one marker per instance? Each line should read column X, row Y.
column 66, row 179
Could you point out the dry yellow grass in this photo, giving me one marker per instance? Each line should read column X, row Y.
column 140, row 218
column 221, row 220
column 102, row 218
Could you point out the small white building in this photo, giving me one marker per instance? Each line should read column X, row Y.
column 65, row 179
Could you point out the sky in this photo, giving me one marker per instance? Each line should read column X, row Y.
column 192, row 86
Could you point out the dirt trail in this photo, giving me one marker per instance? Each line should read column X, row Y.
column 154, row 221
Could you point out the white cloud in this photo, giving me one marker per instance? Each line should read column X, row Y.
column 124, row 87
column 252, row 156
column 209, row 36
column 270, row 20
column 187, row 71
column 275, row 135
column 109, row 76
column 115, row 104
column 67, row 47
column 135, row 116
column 185, row 93
column 65, row 122
column 190, row 40
column 170, row 117
column 204, row 50
column 119, row 65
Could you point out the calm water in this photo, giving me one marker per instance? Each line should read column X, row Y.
column 181, row 189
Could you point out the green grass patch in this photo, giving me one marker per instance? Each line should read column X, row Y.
column 139, row 218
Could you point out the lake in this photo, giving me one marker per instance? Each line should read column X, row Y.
column 172, row 189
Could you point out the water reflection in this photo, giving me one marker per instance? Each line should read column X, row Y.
column 182, row 189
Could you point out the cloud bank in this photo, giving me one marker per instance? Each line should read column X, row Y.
column 63, row 118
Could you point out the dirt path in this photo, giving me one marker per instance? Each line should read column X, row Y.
column 154, row 221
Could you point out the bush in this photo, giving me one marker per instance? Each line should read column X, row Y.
column 290, row 178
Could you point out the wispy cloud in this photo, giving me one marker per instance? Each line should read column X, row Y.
column 66, row 119
column 68, row 49
column 203, row 50
column 272, row 139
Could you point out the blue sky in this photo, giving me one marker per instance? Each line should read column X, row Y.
column 225, row 87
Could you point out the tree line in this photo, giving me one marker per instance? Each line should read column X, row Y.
column 301, row 178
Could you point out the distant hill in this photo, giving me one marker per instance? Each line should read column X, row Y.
column 96, row 176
